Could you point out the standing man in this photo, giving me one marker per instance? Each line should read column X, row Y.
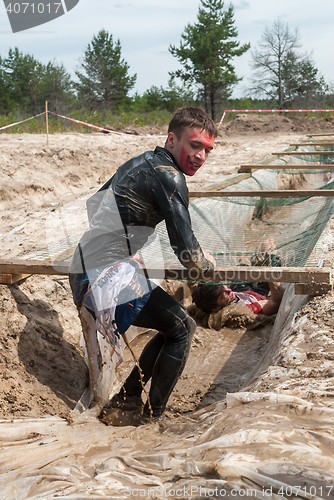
column 107, row 287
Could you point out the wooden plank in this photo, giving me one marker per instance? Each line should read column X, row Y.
column 229, row 182
column 313, row 144
column 245, row 274
column 243, row 170
column 9, row 279
column 313, row 288
column 222, row 273
column 304, row 153
column 18, row 266
column 298, row 166
column 66, row 254
column 320, row 135
column 287, row 193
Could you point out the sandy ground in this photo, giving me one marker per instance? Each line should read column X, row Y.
column 42, row 365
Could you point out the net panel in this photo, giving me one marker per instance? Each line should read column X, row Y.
column 231, row 229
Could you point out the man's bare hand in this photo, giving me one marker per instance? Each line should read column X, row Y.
column 138, row 259
column 209, row 257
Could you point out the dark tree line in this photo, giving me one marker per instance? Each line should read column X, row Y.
column 26, row 83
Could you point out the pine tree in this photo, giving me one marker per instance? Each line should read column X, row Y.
column 5, row 97
column 23, row 75
column 26, row 83
column 104, row 79
column 206, row 52
column 56, row 87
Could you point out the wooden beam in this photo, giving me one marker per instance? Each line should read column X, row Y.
column 320, row 135
column 313, row 288
column 18, row 266
column 283, row 193
column 246, row 274
column 313, row 144
column 298, row 166
column 229, row 182
column 303, row 153
column 9, row 279
column 222, row 273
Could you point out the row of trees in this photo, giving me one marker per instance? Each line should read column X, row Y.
column 26, row 83
column 283, row 77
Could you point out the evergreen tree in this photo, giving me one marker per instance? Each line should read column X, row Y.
column 23, row 75
column 5, row 100
column 206, row 52
column 56, row 87
column 301, row 81
column 169, row 98
column 104, row 78
column 25, row 84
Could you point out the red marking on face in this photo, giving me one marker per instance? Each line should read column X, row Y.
column 206, row 139
column 185, row 163
column 191, row 150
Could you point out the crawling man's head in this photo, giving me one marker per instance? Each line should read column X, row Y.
column 212, row 298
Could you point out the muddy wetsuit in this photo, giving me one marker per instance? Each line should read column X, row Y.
column 123, row 214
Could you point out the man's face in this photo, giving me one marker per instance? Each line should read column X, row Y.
column 191, row 149
column 226, row 297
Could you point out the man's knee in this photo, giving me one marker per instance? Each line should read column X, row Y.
column 186, row 328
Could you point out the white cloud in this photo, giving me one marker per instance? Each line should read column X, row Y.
column 243, row 4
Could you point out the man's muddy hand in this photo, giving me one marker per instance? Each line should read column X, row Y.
column 209, row 257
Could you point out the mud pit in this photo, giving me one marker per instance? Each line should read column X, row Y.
column 43, row 370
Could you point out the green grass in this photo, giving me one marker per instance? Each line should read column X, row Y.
column 118, row 121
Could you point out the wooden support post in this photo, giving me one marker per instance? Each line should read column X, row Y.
column 9, row 279
column 47, row 122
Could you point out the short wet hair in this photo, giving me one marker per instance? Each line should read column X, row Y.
column 191, row 116
column 206, row 296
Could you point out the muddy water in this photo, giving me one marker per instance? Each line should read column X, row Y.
column 219, row 362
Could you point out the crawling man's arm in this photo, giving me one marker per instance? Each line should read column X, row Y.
column 271, row 306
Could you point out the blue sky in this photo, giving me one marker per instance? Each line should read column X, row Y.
column 147, row 27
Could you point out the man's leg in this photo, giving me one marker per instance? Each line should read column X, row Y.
column 165, row 355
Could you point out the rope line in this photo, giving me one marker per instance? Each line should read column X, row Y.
column 17, row 123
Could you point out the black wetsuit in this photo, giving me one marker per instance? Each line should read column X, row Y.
column 123, row 214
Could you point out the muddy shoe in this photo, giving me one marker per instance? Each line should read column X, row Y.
column 146, row 419
column 124, row 402
column 118, row 417
column 121, row 418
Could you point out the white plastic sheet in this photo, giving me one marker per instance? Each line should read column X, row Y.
column 255, row 443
